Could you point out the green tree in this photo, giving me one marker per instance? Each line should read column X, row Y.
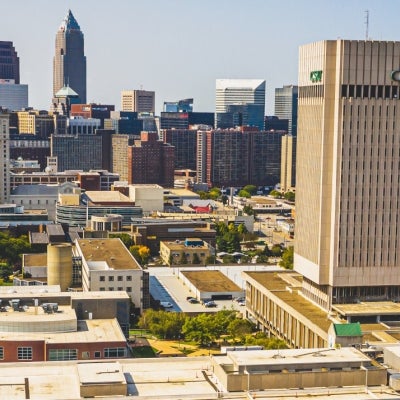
column 196, row 259
column 210, row 259
column 290, row 196
column 12, row 248
column 250, row 189
column 276, row 194
column 276, row 250
column 239, row 328
column 247, row 209
column 125, row 238
column 244, row 193
column 262, row 259
column 5, row 272
column 224, row 199
column 287, row 258
column 228, row 259
column 184, row 259
column 262, row 339
column 164, row 324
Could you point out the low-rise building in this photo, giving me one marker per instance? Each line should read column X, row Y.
column 190, row 251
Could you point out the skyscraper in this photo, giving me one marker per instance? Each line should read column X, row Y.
column 69, row 63
column 348, row 171
column 286, row 106
column 242, row 92
column 4, row 158
column 9, row 62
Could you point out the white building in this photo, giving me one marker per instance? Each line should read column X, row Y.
column 149, row 197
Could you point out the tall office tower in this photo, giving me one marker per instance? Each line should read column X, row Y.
column 151, row 161
column 286, row 106
column 241, row 92
column 119, row 154
column 288, row 162
column 9, row 62
column 348, row 174
column 4, row 158
column 138, row 100
column 69, row 63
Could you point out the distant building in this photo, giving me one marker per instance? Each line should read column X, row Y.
column 274, row 123
column 30, row 147
column 119, row 154
column 192, row 250
column 63, row 100
column 124, row 122
column 83, row 126
column 151, row 161
column 69, row 63
column 237, row 157
column 288, row 162
column 92, row 110
column 185, row 105
column 138, row 100
column 183, row 120
column 4, row 157
column 13, row 96
column 9, row 62
column 286, row 106
column 241, row 92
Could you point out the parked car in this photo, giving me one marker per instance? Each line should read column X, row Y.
column 166, row 304
column 210, row 304
column 192, row 300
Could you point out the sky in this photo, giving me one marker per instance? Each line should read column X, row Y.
column 179, row 48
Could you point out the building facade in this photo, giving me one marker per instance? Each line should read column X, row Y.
column 4, row 158
column 288, row 162
column 9, row 62
column 138, row 100
column 286, row 106
column 69, row 62
column 241, row 92
column 13, row 96
column 348, row 175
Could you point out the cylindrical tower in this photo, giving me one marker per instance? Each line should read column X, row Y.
column 59, row 265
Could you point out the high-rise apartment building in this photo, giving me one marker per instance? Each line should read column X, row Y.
column 286, row 106
column 138, row 100
column 237, row 157
column 242, row 92
column 69, row 63
column 348, row 171
column 9, row 62
column 4, row 158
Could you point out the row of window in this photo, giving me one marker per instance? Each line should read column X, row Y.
column 25, row 353
column 110, row 289
column 120, row 278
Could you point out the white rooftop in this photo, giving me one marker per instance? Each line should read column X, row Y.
column 239, row 83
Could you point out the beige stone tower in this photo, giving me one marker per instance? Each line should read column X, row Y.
column 348, row 171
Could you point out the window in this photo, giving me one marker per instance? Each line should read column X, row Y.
column 110, row 279
column 129, row 289
column 120, row 288
column 63, row 354
column 85, row 355
column 97, row 354
column 102, row 278
column 24, row 353
column 119, row 278
column 1, row 353
column 114, row 352
column 129, row 278
column 110, row 289
column 102, row 289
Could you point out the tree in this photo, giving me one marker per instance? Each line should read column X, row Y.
column 275, row 193
column 244, row 193
column 250, row 189
column 248, row 210
column 5, row 272
column 224, row 199
column 161, row 323
column 210, row 259
column 276, row 250
column 290, row 196
column 196, row 259
column 140, row 253
column 125, row 238
column 287, row 258
column 12, row 248
column 239, row 328
column 184, row 259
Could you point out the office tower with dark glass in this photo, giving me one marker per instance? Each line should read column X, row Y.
column 246, row 93
column 69, row 63
column 9, row 62
column 286, row 106
column 348, row 172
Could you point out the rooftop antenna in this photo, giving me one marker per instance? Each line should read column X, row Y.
column 366, row 24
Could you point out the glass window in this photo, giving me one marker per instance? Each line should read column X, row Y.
column 114, row 352
column 111, row 278
column 1, row 353
column 129, row 289
column 97, row 354
column 129, row 278
column 102, row 278
column 24, row 353
column 63, row 354
column 120, row 278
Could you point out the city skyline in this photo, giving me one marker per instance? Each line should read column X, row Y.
column 180, row 40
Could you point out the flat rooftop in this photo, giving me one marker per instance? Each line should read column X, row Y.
column 103, row 373
column 278, row 283
column 112, row 251
column 368, row 308
column 107, row 196
column 211, row 281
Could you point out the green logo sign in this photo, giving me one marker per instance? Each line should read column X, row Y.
column 316, row 76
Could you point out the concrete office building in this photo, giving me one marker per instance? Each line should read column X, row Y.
column 241, row 92
column 286, row 106
column 69, row 62
column 138, row 100
column 4, row 158
column 348, row 176
column 288, row 162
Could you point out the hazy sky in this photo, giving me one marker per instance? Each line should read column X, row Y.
column 178, row 48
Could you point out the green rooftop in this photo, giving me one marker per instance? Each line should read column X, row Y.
column 353, row 329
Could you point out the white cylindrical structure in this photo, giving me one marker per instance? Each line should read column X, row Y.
column 59, row 265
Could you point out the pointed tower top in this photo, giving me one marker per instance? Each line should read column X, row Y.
column 69, row 22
